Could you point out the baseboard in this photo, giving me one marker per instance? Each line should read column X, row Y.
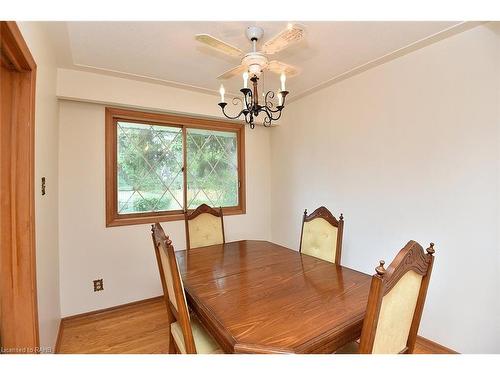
column 434, row 347
column 109, row 309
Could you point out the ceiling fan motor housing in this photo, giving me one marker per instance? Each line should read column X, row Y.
column 254, row 33
column 255, row 62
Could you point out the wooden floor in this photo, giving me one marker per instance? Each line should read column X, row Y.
column 140, row 328
column 137, row 328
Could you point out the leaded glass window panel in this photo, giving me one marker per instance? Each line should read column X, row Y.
column 150, row 177
column 212, row 168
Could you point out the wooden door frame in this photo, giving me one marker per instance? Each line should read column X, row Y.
column 18, row 296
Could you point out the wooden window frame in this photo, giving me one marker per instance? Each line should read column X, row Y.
column 113, row 115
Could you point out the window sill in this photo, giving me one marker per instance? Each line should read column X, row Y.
column 124, row 220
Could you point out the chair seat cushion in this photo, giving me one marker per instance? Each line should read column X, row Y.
column 204, row 343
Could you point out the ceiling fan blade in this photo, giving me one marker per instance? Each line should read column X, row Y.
column 233, row 72
column 219, row 45
column 279, row 67
column 292, row 34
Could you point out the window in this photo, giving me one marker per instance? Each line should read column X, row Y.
column 159, row 165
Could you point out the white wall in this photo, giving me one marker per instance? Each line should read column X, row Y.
column 46, row 207
column 123, row 256
column 408, row 150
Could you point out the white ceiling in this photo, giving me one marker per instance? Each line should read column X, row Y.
column 167, row 51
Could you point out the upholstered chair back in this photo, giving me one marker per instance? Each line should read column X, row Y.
column 204, row 227
column 396, row 314
column 321, row 235
column 396, row 301
column 173, row 288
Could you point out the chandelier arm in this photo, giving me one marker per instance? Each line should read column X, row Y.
column 248, row 103
column 223, row 106
column 270, row 113
column 283, row 97
column 250, row 120
column 268, row 103
column 267, row 122
column 245, row 116
column 277, row 118
column 278, row 109
column 270, row 118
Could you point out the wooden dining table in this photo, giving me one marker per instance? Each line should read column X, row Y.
column 259, row 297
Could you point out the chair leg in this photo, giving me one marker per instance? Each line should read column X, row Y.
column 172, row 348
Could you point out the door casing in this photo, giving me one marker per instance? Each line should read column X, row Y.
column 18, row 294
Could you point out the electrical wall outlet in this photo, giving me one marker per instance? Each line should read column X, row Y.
column 98, row 285
column 43, row 186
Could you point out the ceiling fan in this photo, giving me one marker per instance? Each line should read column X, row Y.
column 252, row 65
column 255, row 62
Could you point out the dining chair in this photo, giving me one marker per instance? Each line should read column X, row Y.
column 187, row 335
column 395, row 303
column 204, row 227
column 321, row 235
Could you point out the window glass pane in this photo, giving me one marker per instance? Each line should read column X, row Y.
column 149, row 165
column 212, row 168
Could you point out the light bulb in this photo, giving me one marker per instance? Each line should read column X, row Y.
column 283, row 80
column 245, row 80
column 222, row 92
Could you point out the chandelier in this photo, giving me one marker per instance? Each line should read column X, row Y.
column 249, row 106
